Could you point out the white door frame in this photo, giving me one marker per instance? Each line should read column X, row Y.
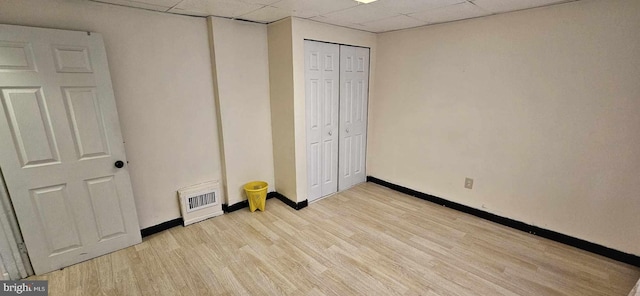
column 14, row 261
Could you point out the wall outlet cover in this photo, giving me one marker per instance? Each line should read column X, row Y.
column 468, row 183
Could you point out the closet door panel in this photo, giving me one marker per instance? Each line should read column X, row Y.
column 322, row 103
column 354, row 95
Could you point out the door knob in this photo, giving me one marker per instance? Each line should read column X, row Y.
column 347, row 130
column 119, row 164
column 330, row 133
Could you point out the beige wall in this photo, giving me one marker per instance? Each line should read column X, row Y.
column 281, row 96
column 242, row 94
column 161, row 73
column 541, row 107
column 305, row 29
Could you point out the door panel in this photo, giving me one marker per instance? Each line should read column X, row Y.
column 314, row 114
column 346, row 161
column 16, row 56
column 322, row 103
column 331, row 99
column 56, row 218
column 72, row 59
column 105, row 202
column 358, row 156
column 58, row 113
column 30, row 124
column 327, row 159
column 314, row 166
column 83, row 110
column 354, row 88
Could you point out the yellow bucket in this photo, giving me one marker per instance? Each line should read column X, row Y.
column 256, row 194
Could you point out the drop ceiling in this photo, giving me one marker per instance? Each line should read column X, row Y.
column 377, row 17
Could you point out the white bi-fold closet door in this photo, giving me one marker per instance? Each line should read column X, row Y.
column 337, row 87
column 354, row 95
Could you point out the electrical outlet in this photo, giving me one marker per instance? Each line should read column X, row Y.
column 468, row 183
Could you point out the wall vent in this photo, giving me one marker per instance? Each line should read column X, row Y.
column 200, row 202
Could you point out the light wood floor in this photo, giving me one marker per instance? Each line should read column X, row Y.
column 368, row 240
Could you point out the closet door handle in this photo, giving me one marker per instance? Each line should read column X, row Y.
column 330, row 133
column 347, row 130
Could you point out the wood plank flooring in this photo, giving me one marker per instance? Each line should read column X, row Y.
column 368, row 240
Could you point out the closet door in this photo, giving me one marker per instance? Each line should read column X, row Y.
column 322, row 102
column 354, row 95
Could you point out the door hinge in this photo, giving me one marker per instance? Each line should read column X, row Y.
column 22, row 248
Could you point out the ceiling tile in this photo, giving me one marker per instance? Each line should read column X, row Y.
column 143, row 5
column 322, row 19
column 450, row 13
column 262, row 2
column 266, row 14
column 188, row 12
column 304, row 13
column 224, row 8
column 412, row 6
column 360, row 14
column 511, row 5
column 167, row 3
column 393, row 23
column 309, row 8
column 325, row 20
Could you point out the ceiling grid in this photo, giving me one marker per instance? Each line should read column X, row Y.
column 377, row 17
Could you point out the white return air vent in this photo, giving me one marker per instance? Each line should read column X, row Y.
column 200, row 202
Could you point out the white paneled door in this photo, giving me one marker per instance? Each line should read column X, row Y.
column 354, row 95
column 337, row 86
column 322, row 87
column 61, row 150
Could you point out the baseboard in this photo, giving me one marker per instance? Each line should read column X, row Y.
column 535, row 230
column 226, row 209
column 178, row 221
column 243, row 204
column 296, row 206
column 234, row 207
column 161, row 227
